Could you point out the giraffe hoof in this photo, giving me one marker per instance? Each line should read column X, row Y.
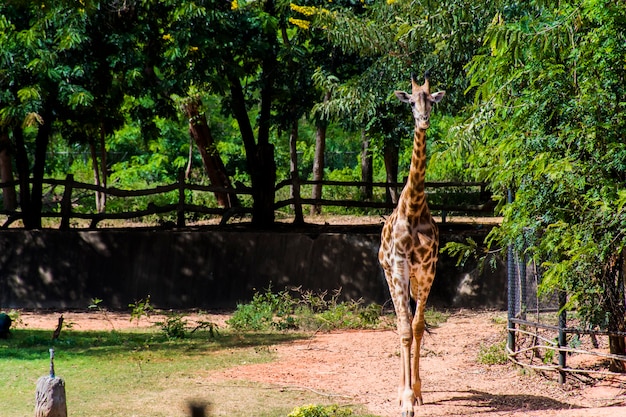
column 408, row 414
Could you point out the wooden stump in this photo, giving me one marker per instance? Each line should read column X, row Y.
column 50, row 397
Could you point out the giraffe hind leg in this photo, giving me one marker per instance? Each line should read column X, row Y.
column 418, row 326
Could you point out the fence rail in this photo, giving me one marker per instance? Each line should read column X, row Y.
column 183, row 208
column 533, row 340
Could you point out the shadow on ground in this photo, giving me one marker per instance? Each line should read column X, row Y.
column 483, row 401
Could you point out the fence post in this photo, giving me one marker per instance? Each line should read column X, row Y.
column 295, row 194
column 180, row 210
column 66, row 203
column 511, row 289
column 562, row 335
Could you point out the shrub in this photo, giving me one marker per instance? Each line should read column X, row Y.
column 266, row 310
column 493, row 354
column 307, row 310
column 174, row 327
column 320, row 411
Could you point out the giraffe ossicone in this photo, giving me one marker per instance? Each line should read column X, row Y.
column 409, row 248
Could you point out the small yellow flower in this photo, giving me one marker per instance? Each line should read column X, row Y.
column 234, row 5
column 167, row 37
column 302, row 24
column 305, row 10
column 193, row 48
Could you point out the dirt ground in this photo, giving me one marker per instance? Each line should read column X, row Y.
column 361, row 367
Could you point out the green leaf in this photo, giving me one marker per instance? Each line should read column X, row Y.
column 28, row 93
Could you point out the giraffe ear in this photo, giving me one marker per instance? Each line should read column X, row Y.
column 436, row 97
column 402, row 96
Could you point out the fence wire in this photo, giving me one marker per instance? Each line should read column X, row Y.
column 542, row 335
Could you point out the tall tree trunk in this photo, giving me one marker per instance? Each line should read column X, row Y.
column 96, row 173
column 213, row 164
column 295, row 176
column 103, row 167
column 9, row 196
column 264, row 179
column 23, row 172
column 264, row 186
column 367, row 170
column 318, row 164
column 259, row 158
column 391, row 168
column 41, row 147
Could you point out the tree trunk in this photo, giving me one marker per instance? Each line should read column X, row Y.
column 259, row 156
column 22, row 164
column 9, row 196
column 263, row 215
column 263, row 184
column 213, row 164
column 41, row 147
column 367, row 170
column 259, row 159
column 96, row 174
column 103, row 168
column 295, row 177
column 391, row 167
column 318, row 164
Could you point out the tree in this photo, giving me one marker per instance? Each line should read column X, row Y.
column 398, row 38
column 9, row 198
column 213, row 165
column 548, row 122
column 39, row 47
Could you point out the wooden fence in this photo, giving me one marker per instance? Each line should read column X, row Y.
column 482, row 206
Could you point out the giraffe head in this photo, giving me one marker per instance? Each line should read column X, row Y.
column 421, row 101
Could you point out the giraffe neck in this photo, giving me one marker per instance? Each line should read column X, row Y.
column 417, row 171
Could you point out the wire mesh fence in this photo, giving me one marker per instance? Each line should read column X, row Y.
column 543, row 335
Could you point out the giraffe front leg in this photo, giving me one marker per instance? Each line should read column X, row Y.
column 418, row 326
column 405, row 390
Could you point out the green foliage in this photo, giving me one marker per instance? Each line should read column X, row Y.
column 494, row 354
column 96, row 305
column 548, row 123
column 138, row 365
column 461, row 250
column 319, row 311
column 548, row 356
column 434, row 317
column 281, row 311
column 174, row 326
column 140, row 309
column 320, row 411
column 267, row 310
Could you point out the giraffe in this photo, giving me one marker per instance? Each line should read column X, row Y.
column 409, row 248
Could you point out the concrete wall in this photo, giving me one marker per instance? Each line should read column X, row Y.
column 213, row 268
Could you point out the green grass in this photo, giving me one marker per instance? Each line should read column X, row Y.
column 144, row 373
column 156, row 372
column 304, row 310
column 494, row 354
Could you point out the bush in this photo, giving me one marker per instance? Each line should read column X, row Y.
column 493, row 354
column 319, row 313
column 320, row 411
column 266, row 310
column 307, row 310
column 176, row 326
